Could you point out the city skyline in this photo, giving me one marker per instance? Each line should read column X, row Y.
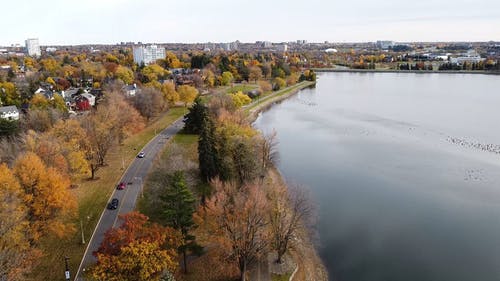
column 113, row 21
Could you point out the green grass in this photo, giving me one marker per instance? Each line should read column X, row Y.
column 276, row 277
column 92, row 197
column 242, row 87
column 189, row 145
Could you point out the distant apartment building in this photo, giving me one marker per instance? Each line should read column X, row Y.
column 33, row 47
column 384, row 45
column 282, row 48
column 301, row 42
column 233, row 46
column 148, row 54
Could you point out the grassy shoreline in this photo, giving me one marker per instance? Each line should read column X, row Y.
column 264, row 103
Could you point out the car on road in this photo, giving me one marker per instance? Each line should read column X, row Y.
column 113, row 205
column 121, row 186
column 141, row 154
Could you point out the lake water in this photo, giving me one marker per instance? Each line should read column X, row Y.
column 405, row 169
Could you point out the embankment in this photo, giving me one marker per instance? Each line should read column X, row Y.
column 264, row 103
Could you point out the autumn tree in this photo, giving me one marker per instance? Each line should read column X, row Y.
column 268, row 152
column 9, row 95
column 137, row 250
column 154, row 72
column 265, row 86
column 226, row 78
column 74, row 145
column 240, row 99
column 169, row 93
column 255, row 73
column 279, row 83
column 289, row 207
column 239, row 222
column 149, row 102
column 101, row 133
column 125, row 74
column 49, row 202
column 187, row 94
column 178, row 209
column 16, row 254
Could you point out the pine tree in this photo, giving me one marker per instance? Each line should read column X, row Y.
column 178, row 213
column 194, row 119
column 207, row 151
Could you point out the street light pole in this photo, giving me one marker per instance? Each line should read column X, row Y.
column 66, row 273
column 83, row 236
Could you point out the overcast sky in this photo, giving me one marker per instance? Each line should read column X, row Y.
column 111, row 21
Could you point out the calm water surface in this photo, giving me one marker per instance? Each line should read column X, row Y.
column 405, row 169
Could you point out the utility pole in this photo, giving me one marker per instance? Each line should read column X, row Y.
column 66, row 273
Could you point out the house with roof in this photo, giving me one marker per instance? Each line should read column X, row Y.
column 130, row 90
column 9, row 112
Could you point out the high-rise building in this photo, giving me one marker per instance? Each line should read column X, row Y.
column 148, row 54
column 33, row 47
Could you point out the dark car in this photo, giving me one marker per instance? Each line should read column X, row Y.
column 121, row 186
column 113, row 205
column 141, row 154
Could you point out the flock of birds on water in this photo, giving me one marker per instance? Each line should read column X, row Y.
column 493, row 148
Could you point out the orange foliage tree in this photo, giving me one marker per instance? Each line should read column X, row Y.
column 137, row 250
column 16, row 254
column 46, row 194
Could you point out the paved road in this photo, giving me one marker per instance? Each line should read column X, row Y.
column 133, row 177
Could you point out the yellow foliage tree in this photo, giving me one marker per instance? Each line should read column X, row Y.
column 240, row 99
column 169, row 92
column 125, row 74
column 187, row 94
column 39, row 101
column 46, row 194
column 16, row 254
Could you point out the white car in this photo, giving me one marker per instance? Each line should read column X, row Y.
column 141, row 154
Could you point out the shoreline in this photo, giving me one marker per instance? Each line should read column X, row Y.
column 405, row 71
column 305, row 254
column 274, row 98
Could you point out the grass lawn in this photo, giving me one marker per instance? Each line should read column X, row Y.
column 275, row 277
column 92, row 197
column 242, row 87
column 185, row 144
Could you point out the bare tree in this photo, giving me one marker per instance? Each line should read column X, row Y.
column 149, row 102
column 240, row 221
column 289, row 207
column 269, row 152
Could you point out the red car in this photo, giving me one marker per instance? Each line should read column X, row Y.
column 121, row 186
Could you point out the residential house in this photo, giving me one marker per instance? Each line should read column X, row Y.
column 9, row 112
column 130, row 90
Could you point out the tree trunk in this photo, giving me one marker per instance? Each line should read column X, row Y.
column 243, row 270
column 185, row 261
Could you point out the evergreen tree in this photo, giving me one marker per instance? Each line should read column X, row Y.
column 207, row 151
column 178, row 213
column 194, row 119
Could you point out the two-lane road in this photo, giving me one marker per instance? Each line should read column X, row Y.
column 133, row 178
